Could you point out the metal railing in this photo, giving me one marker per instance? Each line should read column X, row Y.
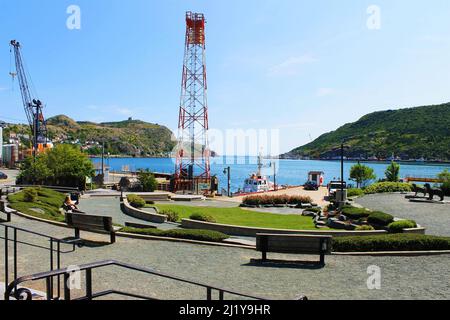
column 25, row 294
column 54, row 249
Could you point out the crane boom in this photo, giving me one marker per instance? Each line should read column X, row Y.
column 33, row 106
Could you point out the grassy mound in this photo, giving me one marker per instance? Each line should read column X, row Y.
column 240, row 217
column 45, row 205
column 391, row 242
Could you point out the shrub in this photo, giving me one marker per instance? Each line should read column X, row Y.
column 391, row 242
column 192, row 234
column 354, row 192
column 399, row 226
column 202, row 217
column 380, row 218
column 136, row 201
column 30, row 195
column 446, row 188
column 172, row 216
column 271, row 200
column 355, row 213
column 388, row 187
column 315, row 210
column 364, row 228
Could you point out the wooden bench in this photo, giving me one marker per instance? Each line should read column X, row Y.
column 91, row 223
column 295, row 244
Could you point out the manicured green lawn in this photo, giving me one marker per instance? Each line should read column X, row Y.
column 247, row 218
column 46, row 207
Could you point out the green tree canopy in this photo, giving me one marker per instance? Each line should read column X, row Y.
column 361, row 174
column 393, row 172
column 61, row 165
column 147, row 180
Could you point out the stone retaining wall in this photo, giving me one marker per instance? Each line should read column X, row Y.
column 141, row 214
column 252, row 231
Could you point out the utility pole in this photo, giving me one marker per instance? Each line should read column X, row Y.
column 228, row 171
column 342, row 172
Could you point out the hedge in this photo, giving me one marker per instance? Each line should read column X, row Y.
column 355, row 192
column 399, row 226
column 355, row 213
column 388, row 187
column 136, row 201
column 191, row 234
column 391, row 242
column 380, row 218
column 262, row 200
column 202, row 217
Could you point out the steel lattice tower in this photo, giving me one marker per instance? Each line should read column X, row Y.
column 193, row 153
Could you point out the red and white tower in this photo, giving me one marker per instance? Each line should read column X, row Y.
column 193, row 153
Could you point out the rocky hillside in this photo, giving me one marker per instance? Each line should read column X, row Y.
column 130, row 137
column 407, row 133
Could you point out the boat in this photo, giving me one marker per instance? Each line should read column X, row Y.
column 257, row 182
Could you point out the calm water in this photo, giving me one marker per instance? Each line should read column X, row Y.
column 289, row 172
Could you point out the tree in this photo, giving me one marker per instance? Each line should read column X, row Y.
column 64, row 165
column 361, row 174
column 393, row 172
column 147, row 180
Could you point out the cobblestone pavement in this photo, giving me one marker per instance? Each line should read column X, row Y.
column 435, row 217
column 344, row 277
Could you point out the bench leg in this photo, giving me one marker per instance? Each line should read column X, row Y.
column 322, row 259
column 113, row 237
column 264, row 256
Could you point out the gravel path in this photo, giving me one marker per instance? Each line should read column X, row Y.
column 435, row 217
column 344, row 277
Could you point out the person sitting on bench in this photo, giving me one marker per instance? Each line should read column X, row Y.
column 70, row 206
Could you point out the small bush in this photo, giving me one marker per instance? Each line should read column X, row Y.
column 30, row 195
column 202, row 217
column 355, row 213
column 172, row 216
column 136, row 201
column 446, row 188
column 380, row 218
column 364, row 228
column 355, row 192
column 192, row 234
column 391, row 242
column 399, row 226
column 388, row 187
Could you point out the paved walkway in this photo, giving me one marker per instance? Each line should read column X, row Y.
column 435, row 217
column 342, row 278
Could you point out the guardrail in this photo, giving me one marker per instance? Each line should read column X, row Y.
column 25, row 294
column 54, row 249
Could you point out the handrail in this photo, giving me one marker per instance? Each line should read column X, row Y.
column 25, row 294
column 52, row 242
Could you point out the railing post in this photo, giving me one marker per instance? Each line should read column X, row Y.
column 89, row 284
column 58, row 262
column 15, row 256
column 6, row 257
column 66, row 286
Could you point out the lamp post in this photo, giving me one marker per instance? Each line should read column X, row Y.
column 227, row 171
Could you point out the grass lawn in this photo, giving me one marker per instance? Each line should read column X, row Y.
column 46, row 207
column 247, row 218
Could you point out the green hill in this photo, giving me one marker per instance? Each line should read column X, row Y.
column 408, row 133
column 130, row 137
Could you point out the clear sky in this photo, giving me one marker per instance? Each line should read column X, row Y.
column 304, row 67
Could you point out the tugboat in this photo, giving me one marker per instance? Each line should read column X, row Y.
column 258, row 183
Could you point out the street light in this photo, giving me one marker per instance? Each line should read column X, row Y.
column 228, row 172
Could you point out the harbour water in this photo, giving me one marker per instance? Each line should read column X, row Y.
column 288, row 172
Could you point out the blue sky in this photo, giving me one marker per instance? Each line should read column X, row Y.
column 304, row 67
